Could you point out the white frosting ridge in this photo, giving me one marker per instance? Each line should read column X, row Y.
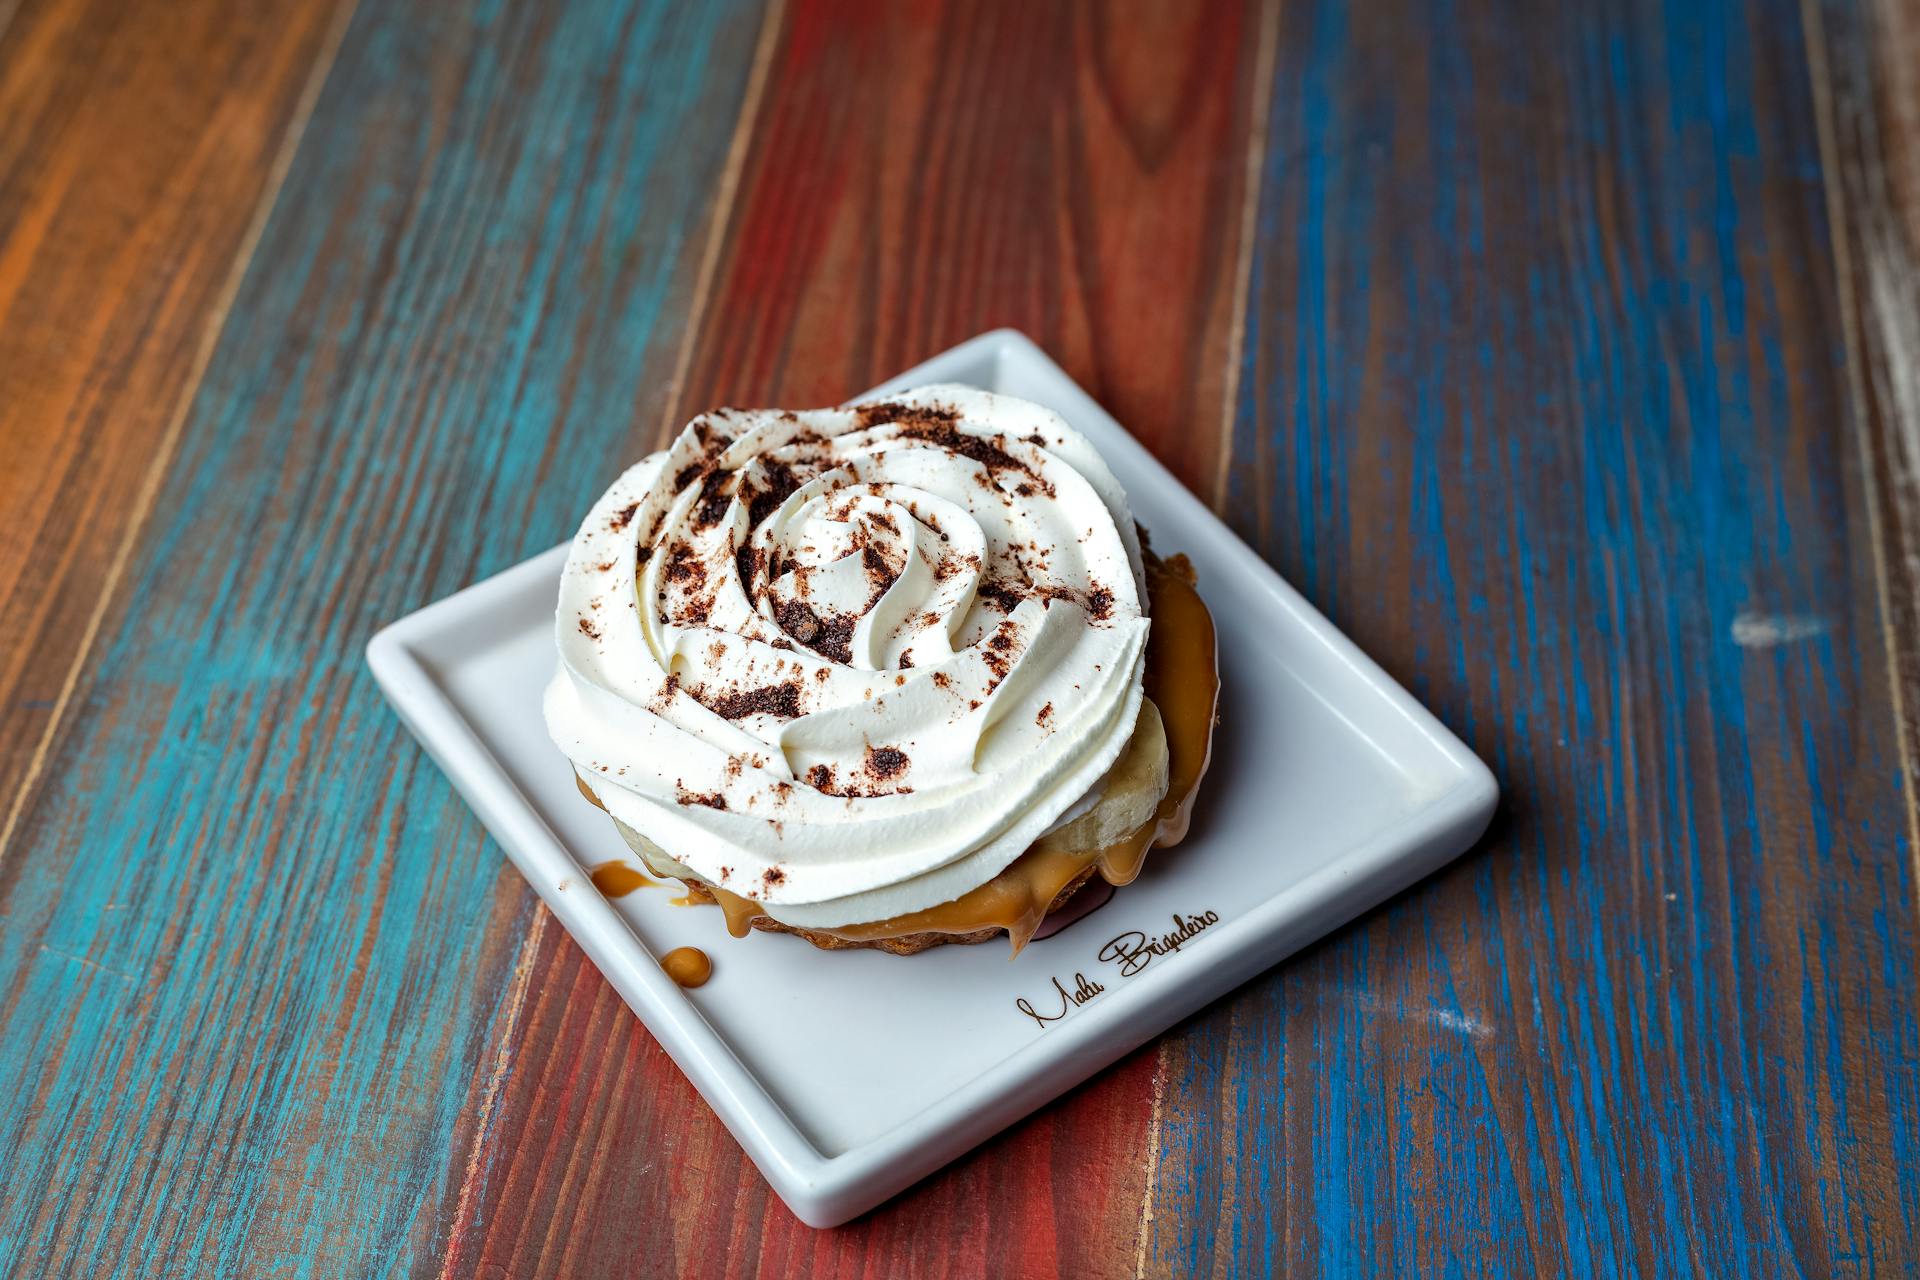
column 852, row 662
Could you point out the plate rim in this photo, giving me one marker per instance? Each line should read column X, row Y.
column 827, row 1189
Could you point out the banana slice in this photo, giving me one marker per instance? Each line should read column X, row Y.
column 1132, row 791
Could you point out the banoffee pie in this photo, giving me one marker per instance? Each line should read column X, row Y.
column 890, row 675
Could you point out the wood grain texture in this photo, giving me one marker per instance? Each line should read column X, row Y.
column 1567, row 360
column 253, row 949
column 1014, row 167
column 1866, row 80
column 137, row 146
column 922, row 173
column 1546, row 404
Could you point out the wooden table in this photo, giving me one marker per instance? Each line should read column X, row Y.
column 1563, row 354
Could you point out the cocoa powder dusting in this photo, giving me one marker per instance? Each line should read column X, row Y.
column 684, row 567
column 880, row 575
column 797, row 621
column 913, row 415
column 885, row 762
column 1000, row 595
column 773, row 700
column 713, row 502
column 781, row 481
column 743, row 561
column 709, row 799
column 943, row 434
column 831, row 636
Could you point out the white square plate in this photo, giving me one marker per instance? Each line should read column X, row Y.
column 1331, row 789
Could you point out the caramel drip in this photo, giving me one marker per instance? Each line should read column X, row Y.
column 688, row 966
column 739, row 911
column 1183, row 679
column 616, row 879
column 580, row 784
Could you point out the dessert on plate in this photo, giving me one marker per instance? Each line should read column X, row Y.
column 891, row 675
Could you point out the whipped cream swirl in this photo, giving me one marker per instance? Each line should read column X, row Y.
column 851, row 662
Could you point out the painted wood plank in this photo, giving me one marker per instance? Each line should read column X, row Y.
column 1867, row 93
column 913, row 176
column 128, row 192
column 1575, row 385
column 1864, row 61
column 254, row 951
column 1546, row 403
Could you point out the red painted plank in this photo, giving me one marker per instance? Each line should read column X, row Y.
column 912, row 176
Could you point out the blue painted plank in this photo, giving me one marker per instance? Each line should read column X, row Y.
column 252, row 945
column 1544, row 400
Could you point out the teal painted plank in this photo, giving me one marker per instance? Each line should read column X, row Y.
column 1545, row 401
column 252, row 945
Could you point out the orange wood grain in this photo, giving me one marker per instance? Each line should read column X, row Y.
column 139, row 146
column 912, row 177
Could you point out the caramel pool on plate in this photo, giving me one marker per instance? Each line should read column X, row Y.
column 617, row 879
column 688, row 966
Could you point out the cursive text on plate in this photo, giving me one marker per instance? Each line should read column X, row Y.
column 1082, row 992
column 1132, row 952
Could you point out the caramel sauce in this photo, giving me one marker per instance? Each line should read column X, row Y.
column 616, row 879
column 738, row 910
column 1183, row 679
column 687, row 966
